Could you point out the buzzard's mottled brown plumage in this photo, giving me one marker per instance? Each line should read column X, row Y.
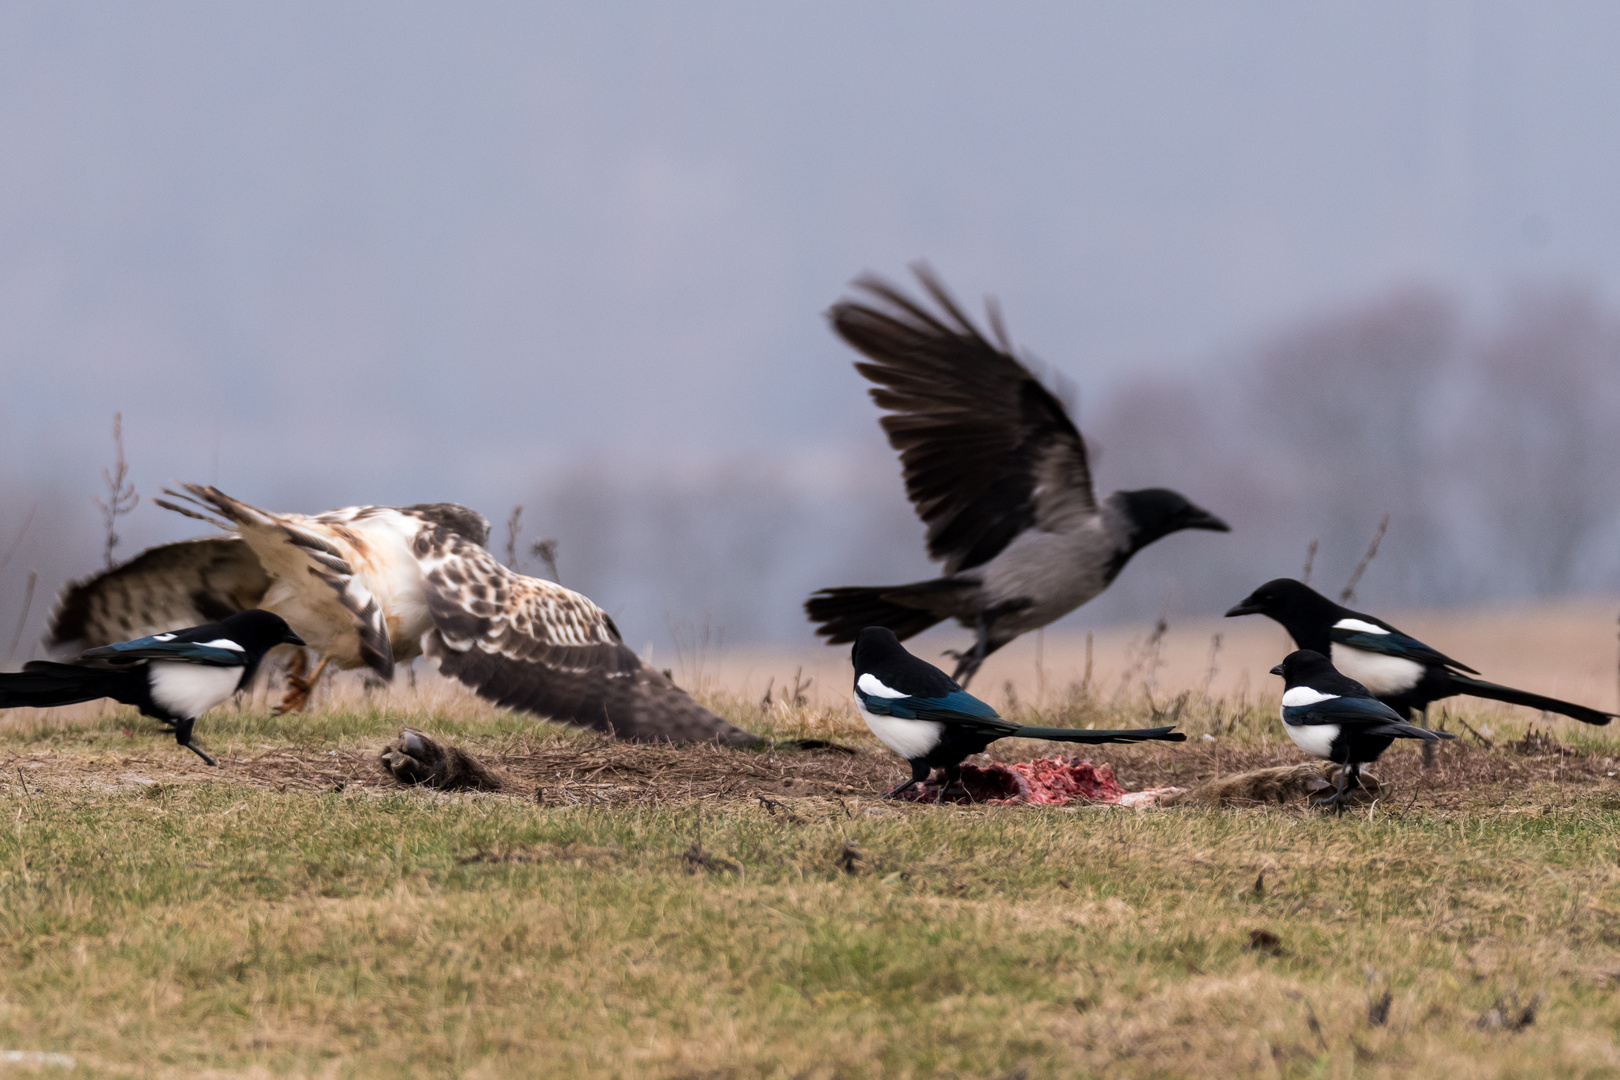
column 532, row 645
column 376, row 585
column 164, row 588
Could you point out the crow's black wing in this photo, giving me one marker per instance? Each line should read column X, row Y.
column 988, row 451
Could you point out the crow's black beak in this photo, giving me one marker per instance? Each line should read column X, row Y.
column 292, row 639
column 1248, row 607
column 1203, row 519
column 1277, row 670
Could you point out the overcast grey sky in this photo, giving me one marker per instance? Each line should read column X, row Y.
column 346, row 252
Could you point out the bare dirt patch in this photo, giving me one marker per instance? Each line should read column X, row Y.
column 567, row 770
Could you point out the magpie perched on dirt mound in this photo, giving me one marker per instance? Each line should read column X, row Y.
column 1337, row 719
column 923, row 715
column 1398, row 669
column 998, row 473
column 173, row 677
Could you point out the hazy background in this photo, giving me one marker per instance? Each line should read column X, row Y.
column 1305, row 263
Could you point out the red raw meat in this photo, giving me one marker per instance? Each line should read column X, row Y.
column 1042, row 782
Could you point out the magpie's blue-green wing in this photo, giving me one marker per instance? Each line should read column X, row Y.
column 1393, row 643
column 217, row 653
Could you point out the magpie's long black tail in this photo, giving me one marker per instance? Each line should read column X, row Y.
column 1481, row 688
column 905, row 609
column 41, row 684
column 1078, row 735
column 1409, row 731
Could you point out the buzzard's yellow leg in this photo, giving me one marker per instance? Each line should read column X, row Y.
column 299, row 688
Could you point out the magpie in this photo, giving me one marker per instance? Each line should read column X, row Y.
column 926, row 717
column 996, row 470
column 1400, row 670
column 173, row 677
column 1332, row 717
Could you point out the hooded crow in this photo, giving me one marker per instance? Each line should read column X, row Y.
column 1400, row 670
column 998, row 473
column 1335, row 718
column 923, row 715
column 173, row 677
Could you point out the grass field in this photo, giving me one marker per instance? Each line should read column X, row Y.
column 646, row 911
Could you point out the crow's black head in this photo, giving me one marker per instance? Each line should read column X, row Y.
column 1158, row 512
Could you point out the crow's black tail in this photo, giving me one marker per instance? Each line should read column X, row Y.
column 41, row 684
column 1481, row 688
column 1081, row 735
column 905, row 609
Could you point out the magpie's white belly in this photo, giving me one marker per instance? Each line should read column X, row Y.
column 1315, row 739
column 1379, row 673
column 189, row 690
column 908, row 738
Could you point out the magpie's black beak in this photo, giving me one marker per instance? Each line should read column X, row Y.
column 1203, row 519
column 1277, row 670
column 292, row 639
column 1247, row 607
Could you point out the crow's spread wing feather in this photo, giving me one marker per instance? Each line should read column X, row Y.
column 1393, row 643
column 988, row 451
column 535, row 646
column 164, row 588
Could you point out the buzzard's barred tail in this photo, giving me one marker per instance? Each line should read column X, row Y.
column 905, row 609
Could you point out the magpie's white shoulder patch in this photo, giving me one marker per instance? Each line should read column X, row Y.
column 1300, row 696
column 162, row 637
column 869, row 683
column 1359, row 625
column 223, row 643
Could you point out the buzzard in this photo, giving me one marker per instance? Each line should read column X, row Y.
column 375, row 586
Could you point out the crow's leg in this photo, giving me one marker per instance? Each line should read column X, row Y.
column 919, row 773
column 967, row 663
column 299, row 687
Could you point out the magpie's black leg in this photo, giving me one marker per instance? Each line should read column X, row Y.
column 919, row 773
column 182, row 735
column 953, row 775
column 1336, row 800
column 1428, row 744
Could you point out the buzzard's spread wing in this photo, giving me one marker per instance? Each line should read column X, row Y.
column 315, row 585
column 534, row 646
column 987, row 450
column 164, row 588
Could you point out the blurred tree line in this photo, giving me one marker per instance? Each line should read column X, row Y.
column 1490, row 442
